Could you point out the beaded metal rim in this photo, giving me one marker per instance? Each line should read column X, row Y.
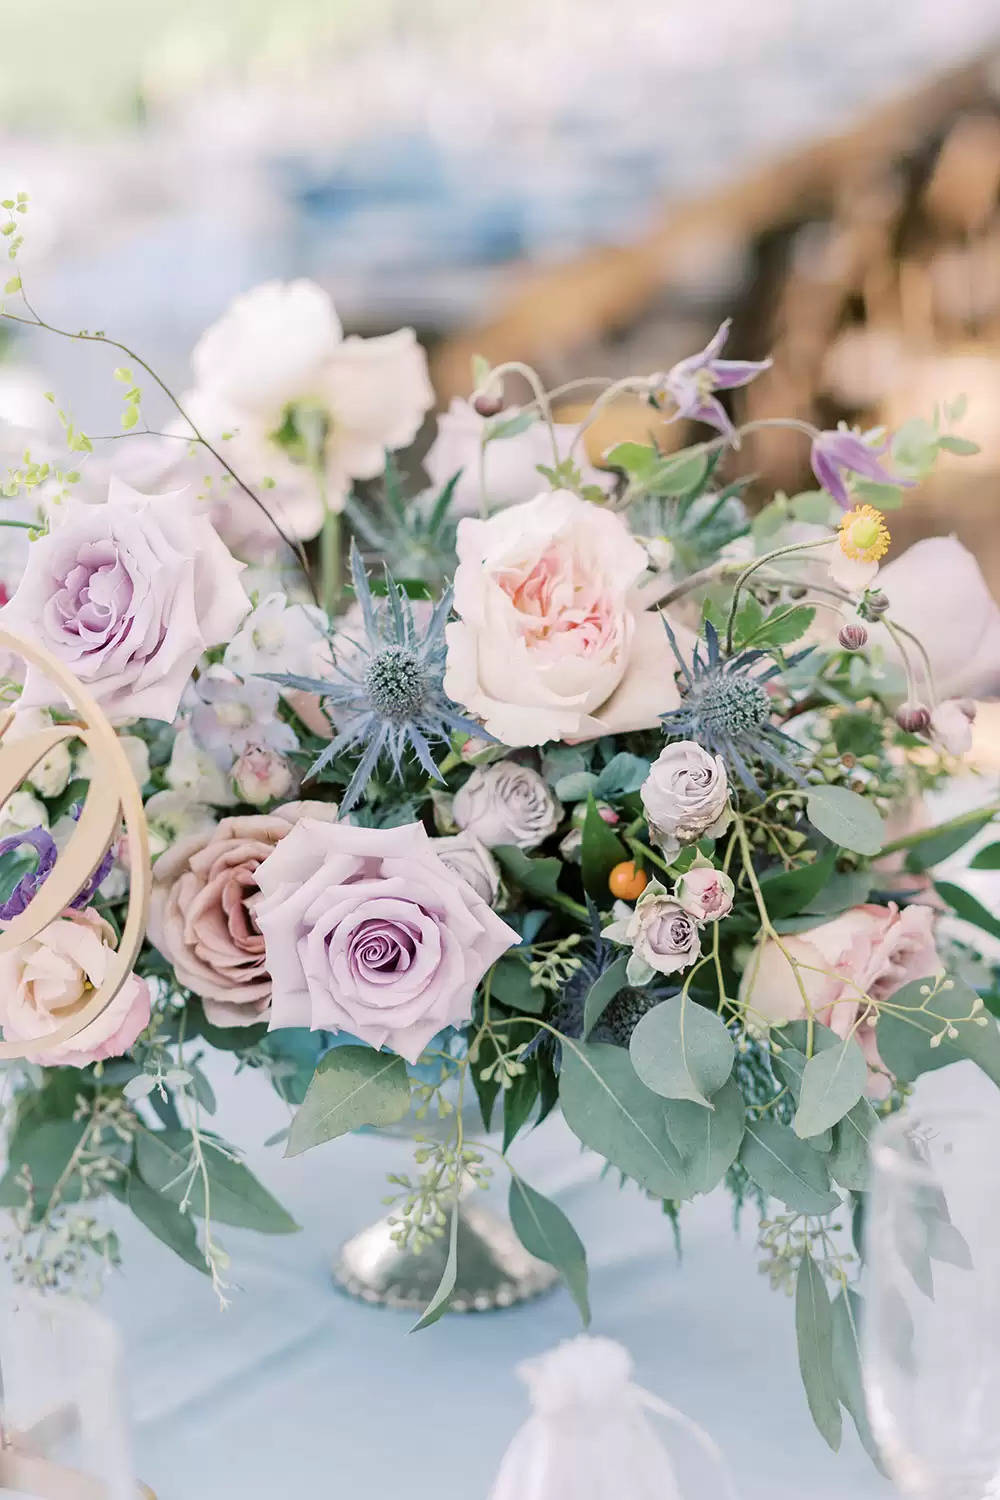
column 111, row 796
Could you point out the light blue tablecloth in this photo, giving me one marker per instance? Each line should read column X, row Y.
column 297, row 1390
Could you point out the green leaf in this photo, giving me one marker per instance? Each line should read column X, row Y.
column 937, row 845
column 846, row 819
column 539, row 877
column 832, row 1083
column 679, row 474
column 602, row 992
column 708, row 1139
column 518, row 1102
column 791, row 891
column 953, row 444
column 352, row 1086
column 545, row 1232
column 600, row 851
column 787, row 1168
column 610, row 1110
column 576, row 787
column 439, row 1302
column 508, row 427
column 846, row 1312
column 906, row 1030
column 782, row 627
column 986, row 859
column 814, row 1336
column 840, row 893
column 967, row 907
column 848, row 1161
column 624, row 773
column 45, row 1149
column 638, row 459
column 165, row 1220
column 859, row 733
column 682, row 1050
column 511, row 985
column 164, row 1158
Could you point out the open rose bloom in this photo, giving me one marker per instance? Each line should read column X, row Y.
column 552, row 781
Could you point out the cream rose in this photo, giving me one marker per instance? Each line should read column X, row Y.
column 44, row 980
column 202, row 917
column 551, row 643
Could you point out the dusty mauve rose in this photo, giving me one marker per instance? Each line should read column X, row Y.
column 505, row 803
column 552, row 642
column 686, row 796
column 707, row 894
column 46, row 979
column 871, row 949
column 662, row 935
column 368, row 931
column 202, row 916
column 128, row 595
column 469, row 858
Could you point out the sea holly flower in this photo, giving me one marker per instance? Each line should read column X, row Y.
column 386, row 687
column 862, row 541
column 691, row 384
column 837, row 454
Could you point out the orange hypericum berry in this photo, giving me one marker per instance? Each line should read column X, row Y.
column 627, row 882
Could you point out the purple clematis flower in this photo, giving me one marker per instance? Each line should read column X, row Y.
column 692, row 382
column 835, row 454
column 31, row 883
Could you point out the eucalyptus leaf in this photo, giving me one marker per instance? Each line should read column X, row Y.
column 937, row 844
column 164, row 1162
column 165, row 1220
column 576, row 787
column 352, row 1086
column 610, row 1110
column 922, row 1012
column 446, row 1286
column 545, row 1232
column 847, row 1312
column 966, row 906
column 846, row 819
column 791, row 891
column 849, row 1161
column 623, row 774
column 814, row 1336
column 44, row 1149
column 539, row 877
column 839, row 893
column 603, row 991
column 682, row 1050
column 708, row 1139
column 785, row 1167
column 832, row 1083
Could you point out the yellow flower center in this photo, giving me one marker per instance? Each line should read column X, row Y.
column 864, row 536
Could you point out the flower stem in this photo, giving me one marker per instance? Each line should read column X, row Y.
column 329, row 546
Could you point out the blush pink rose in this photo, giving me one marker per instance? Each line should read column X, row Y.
column 202, row 914
column 368, row 931
column 46, row 979
column 128, row 595
column 869, row 950
column 551, row 641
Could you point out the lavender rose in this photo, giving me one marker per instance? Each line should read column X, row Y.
column 129, row 595
column 686, row 796
column 470, row 859
column 202, row 916
column 368, row 931
column 505, row 803
column 662, row 935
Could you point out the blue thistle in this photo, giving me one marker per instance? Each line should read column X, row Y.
column 727, row 710
column 389, row 688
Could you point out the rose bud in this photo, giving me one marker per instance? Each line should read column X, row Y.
column 853, row 636
column 914, row 718
column 261, row 776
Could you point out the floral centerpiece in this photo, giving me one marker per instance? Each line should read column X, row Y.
column 568, row 783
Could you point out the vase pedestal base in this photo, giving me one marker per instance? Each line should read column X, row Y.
column 494, row 1269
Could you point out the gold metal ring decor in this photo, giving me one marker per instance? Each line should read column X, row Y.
column 112, row 798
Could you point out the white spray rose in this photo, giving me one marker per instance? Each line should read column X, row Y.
column 705, row 893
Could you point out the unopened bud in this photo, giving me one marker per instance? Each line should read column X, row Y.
column 488, row 404
column 875, row 604
column 914, row 718
column 261, row 776
column 853, row 636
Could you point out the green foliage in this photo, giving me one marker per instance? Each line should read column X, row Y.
column 932, row 1022
column 600, row 851
column 814, row 1336
column 786, row 1167
column 832, row 1083
column 221, row 1187
column 438, row 1304
column 545, row 1232
column 603, row 991
column 680, row 1050
column 846, row 819
column 352, row 1086
column 610, row 1110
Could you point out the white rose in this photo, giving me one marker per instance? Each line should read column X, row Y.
column 52, row 773
column 506, row 804
column 686, row 796
column 551, row 642
column 277, row 373
column 509, row 464
column 468, row 857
